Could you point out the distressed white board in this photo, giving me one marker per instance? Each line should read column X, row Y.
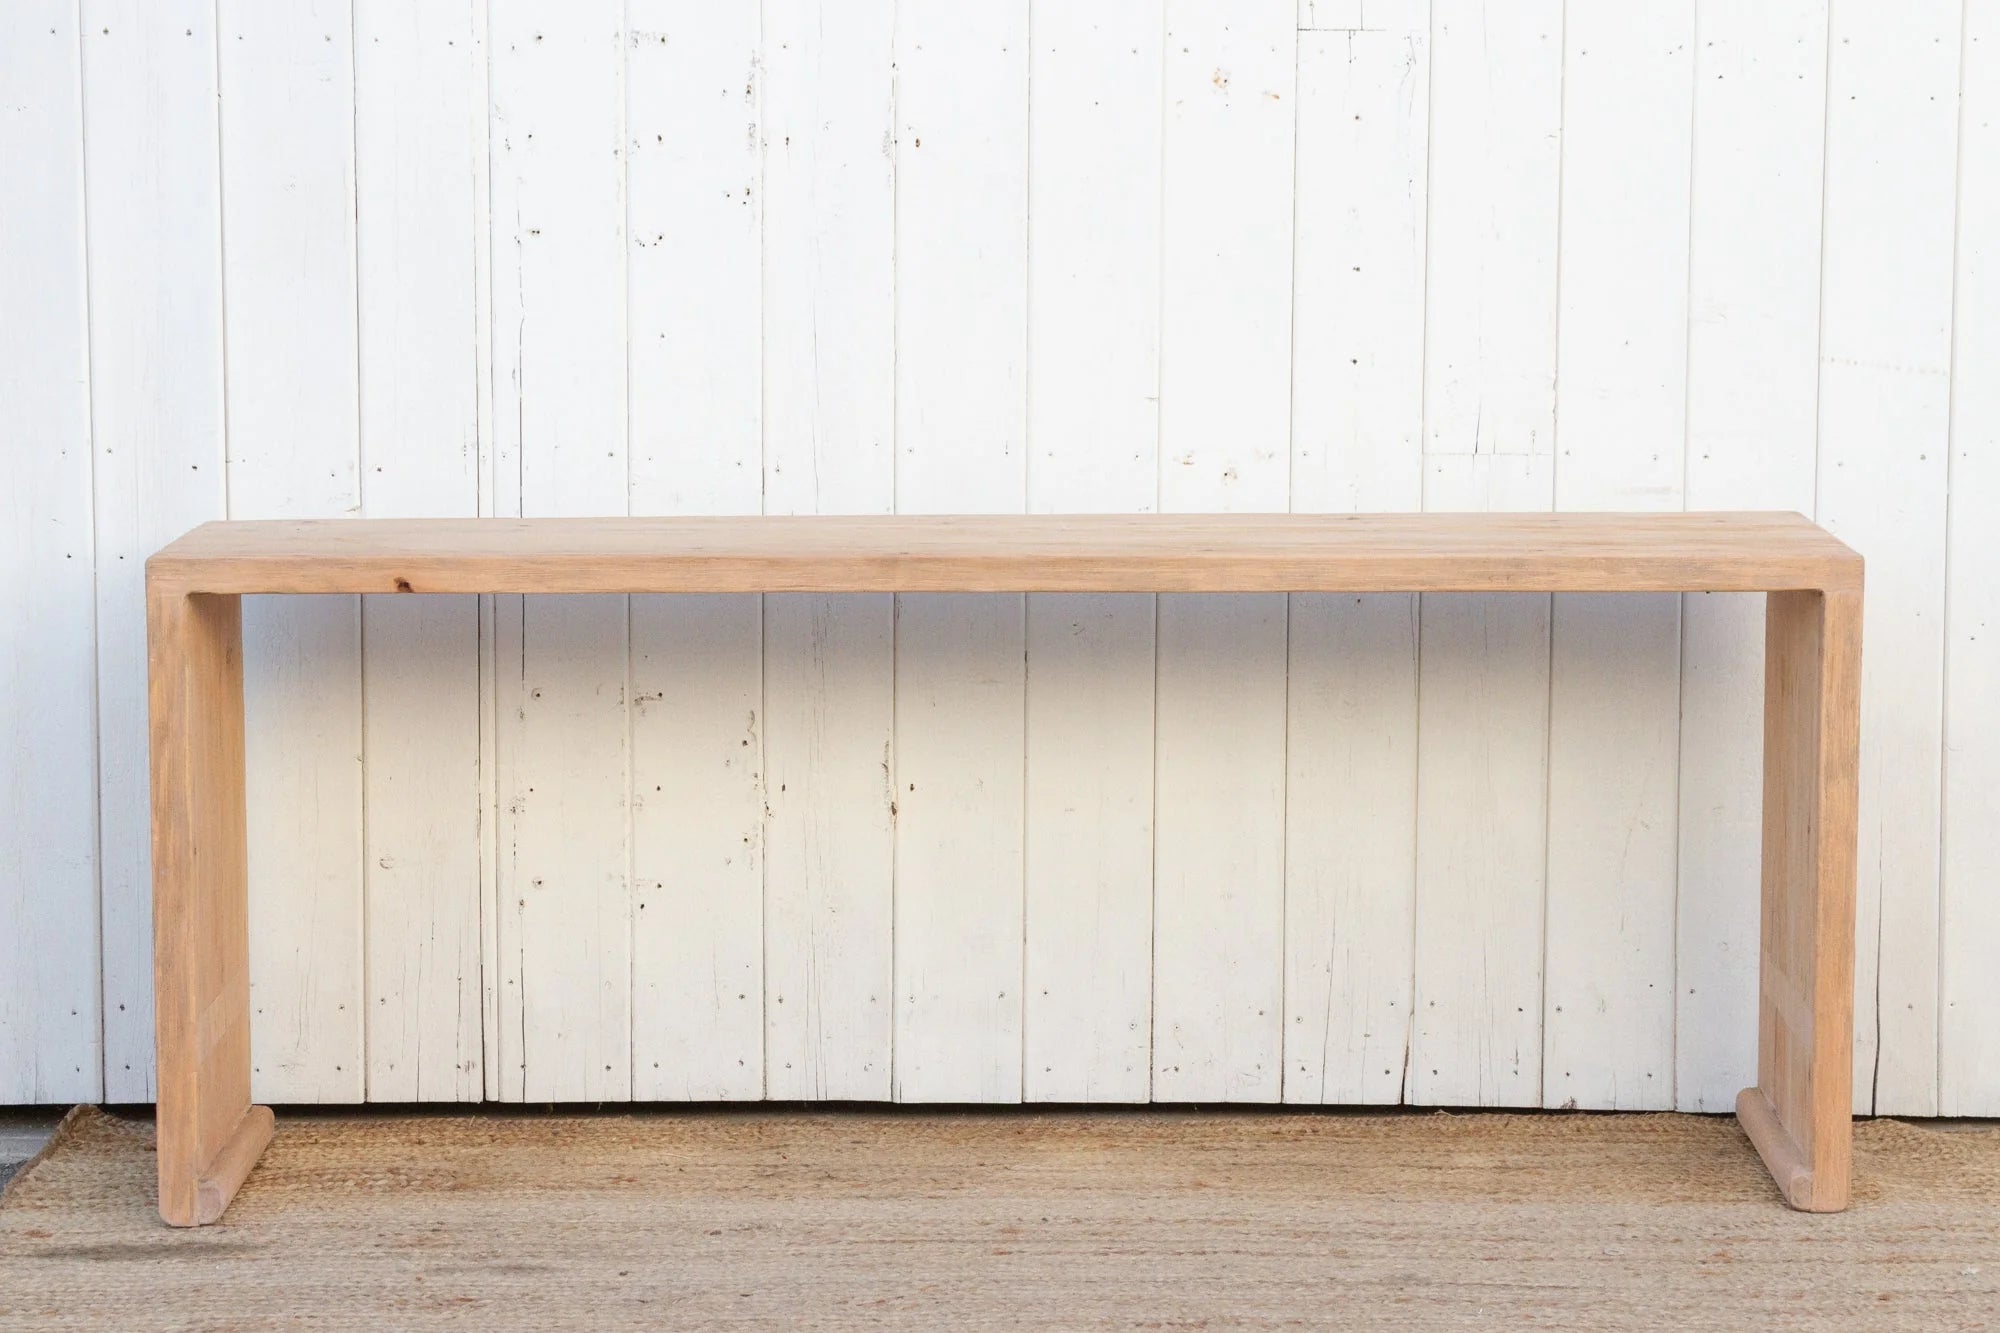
column 566, row 906
column 288, row 270
column 693, row 196
column 1489, row 424
column 1357, row 444
column 829, row 244
column 151, row 182
column 694, row 263
column 1358, row 319
column 1614, row 689
column 958, row 801
column 1225, row 418
column 829, row 423
column 829, row 847
column 1333, row 15
column 697, row 850
column 1219, row 863
column 419, row 127
column 1093, row 439
column 961, row 426
column 1089, row 849
column 1350, row 847
column 1094, row 258
column 1752, row 403
column 961, row 271
column 1481, row 853
column 1969, row 1036
column 1884, row 407
column 50, row 1048
column 1490, row 261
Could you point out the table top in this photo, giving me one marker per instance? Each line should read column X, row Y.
column 1649, row 552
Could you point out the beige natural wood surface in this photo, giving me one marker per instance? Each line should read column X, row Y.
column 1799, row 1114
column 210, row 1135
column 1747, row 552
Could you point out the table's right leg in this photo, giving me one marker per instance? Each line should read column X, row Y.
column 209, row 1133
column 1800, row 1114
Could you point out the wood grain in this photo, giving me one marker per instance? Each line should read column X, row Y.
column 209, row 1133
column 201, row 933
column 1812, row 711
column 1739, row 552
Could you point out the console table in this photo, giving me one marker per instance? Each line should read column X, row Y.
column 1798, row 1115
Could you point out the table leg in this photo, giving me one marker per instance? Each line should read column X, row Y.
column 1800, row 1114
column 209, row 1134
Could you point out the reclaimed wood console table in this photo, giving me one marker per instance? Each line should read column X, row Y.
column 1798, row 1115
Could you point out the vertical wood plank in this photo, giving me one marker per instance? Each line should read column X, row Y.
column 829, row 709
column 1614, row 691
column 1481, row 852
column 697, row 850
column 1225, row 437
column 287, row 147
column 1969, row 1039
column 499, row 615
column 1093, row 437
column 1331, row 15
column 697, row 669
column 1089, row 852
column 1753, row 377
column 209, row 1134
column 1490, row 265
column 829, row 413
column 1798, row 1114
column 1489, row 425
column 961, row 406
column 959, row 742
column 50, row 1044
column 1358, row 321
column 154, row 223
column 1219, row 931
column 565, row 929
column 419, row 125
column 1357, row 444
column 1885, row 360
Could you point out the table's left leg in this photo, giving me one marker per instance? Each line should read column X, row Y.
column 209, row 1133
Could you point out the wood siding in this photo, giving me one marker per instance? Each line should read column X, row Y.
column 322, row 258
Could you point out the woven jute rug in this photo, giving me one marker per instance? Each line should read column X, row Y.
column 955, row 1220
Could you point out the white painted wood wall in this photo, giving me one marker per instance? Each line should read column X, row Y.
column 335, row 257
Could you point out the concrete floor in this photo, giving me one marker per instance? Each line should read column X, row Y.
column 939, row 1219
column 23, row 1131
